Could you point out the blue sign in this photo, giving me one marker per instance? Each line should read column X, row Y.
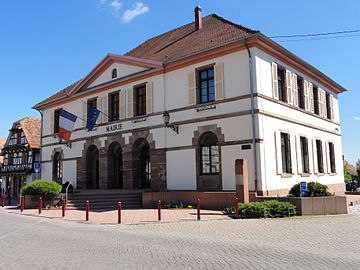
column 303, row 189
column 37, row 166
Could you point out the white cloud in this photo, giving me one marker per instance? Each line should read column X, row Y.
column 357, row 118
column 138, row 9
column 116, row 5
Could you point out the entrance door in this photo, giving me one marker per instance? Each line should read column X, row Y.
column 145, row 167
column 115, row 166
column 92, row 168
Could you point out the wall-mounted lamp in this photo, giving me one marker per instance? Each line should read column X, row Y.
column 166, row 117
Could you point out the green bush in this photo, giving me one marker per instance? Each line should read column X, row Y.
column 314, row 189
column 271, row 209
column 41, row 187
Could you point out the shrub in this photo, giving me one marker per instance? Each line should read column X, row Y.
column 271, row 209
column 41, row 187
column 314, row 189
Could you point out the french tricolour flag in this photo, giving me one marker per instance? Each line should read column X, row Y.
column 66, row 124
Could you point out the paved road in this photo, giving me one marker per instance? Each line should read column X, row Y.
column 296, row 243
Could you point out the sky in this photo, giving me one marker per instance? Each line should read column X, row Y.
column 46, row 45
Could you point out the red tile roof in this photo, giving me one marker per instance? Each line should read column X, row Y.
column 32, row 130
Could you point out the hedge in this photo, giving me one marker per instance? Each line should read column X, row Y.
column 41, row 187
column 314, row 189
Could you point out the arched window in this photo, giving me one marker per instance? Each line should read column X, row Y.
column 209, row 154
column 114, row 73
column 57, row 168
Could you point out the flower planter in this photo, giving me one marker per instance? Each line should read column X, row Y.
column 331, row 205
column 32, row 201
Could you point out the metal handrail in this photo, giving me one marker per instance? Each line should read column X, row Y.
column 67, row 191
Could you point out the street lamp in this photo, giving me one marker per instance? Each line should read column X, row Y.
column 166, row 117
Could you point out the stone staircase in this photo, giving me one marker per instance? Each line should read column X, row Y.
column 102, row 200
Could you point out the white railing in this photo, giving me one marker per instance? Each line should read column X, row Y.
column 67, row 190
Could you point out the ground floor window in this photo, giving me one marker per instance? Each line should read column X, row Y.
column 332, row 157
column 286, row 153
column 319, row 154
column 304, row 154
column 209, row 154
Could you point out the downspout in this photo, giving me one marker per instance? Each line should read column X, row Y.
column 41, row 133
column 252, row 116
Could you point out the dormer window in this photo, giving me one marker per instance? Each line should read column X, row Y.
column 114, row 73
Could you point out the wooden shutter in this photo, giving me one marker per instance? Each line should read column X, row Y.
column 84, row 108
column 274, row 76
column 219, row 81
column 298, row 155
column 327, row 158
column 320, row 101
column 122, row 104
column 52, row 131
column 278, row 153
column 192, row 88
column 130, row 103
column 289, row 87
column 295, row 90
column 324, row 103
column 292, row 149
column 311, row 97
column 332, row 107
column 105, row 102
column 306, row 95
column 149, row 97
column 316, row 169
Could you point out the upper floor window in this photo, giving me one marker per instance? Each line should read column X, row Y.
column 114, row 73
column 6, row 159
column 286, row 153
column 114, row 106
column 281, row 84
column 304, row 154
column 301, row 93
column 56, row 120
column 30, row 157
column 328, row 106
column 332, row 157
column 209, row 154
column 319, row 154
column 92, row 103
column 206, row 85
column 140, row 100
column 316, row 100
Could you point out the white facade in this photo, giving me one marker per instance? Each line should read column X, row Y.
column 175, row 91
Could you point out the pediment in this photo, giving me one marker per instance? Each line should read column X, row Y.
column 125, row 66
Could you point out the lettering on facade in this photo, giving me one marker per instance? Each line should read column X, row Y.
column 114, row 127
column 211, row 107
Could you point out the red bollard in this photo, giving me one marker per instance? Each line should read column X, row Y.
column 159, row 210
column 198, row 208
column 3, row 200
column 63, row 207
column 40, row 205
column 236, row 207
column 87, row 209
column 119, row 212
column 22, row 204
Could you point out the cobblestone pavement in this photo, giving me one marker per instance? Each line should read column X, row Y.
column 322, row 242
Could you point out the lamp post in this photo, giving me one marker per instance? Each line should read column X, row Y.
column 166, row 117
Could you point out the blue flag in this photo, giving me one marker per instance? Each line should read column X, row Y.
column 92, row 116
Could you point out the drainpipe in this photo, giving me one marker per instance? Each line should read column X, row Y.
column 41, row 133
column 252, row 116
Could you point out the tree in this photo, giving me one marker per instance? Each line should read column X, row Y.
column 358, row 166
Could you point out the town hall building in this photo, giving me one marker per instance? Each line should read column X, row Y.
column 182, row 110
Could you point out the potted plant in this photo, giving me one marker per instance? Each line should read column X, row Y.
column 49, row 191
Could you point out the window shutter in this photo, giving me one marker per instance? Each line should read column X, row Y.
column 105, row 109
column 149, row 97
column 324, row 103
column 85, row 107
column 122, row 104
column 311, row 97
column 316, row 169
column 274, row 76
column 295, row 90
column 52, row 122
column 332, row 107
column 192, row 88
column 298, row 155
column 278, row 152
column 130, row 105
column 306, row 94
column 219, row 81
column 321, row 103
column 289, row 87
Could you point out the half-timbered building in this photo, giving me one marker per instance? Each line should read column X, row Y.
column 20, row 152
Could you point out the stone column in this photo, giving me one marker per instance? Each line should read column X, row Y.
column 242, row 181
column 158, row 169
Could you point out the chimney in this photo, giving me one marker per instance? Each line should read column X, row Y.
column 198, row 18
